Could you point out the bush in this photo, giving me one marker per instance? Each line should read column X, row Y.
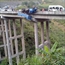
column 4, row 62
column 53, row 56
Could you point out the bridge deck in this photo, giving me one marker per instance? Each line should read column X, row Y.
column 49, row 15
column 38, row 15
column 10, row 16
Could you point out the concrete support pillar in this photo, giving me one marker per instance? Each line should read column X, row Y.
column 0, row 55
column 16, row 42
column 4, row 39
column 23, row 42
column 47, row 33
column 41, row 46
column 42, row 33
column 8, row 43
column 36, row 38
column 10, row 33
column 47, row 29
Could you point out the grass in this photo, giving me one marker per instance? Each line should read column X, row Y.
column 62, row 22
column 44, row 5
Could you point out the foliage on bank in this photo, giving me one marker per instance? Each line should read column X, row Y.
column 53, row 56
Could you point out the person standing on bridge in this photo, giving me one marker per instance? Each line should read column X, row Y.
column 27, row 13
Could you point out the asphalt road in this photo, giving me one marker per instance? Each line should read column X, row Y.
column 12, row 3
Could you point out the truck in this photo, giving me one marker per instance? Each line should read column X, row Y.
column 56, row 8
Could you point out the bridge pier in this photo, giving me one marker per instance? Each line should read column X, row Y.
column 42, row 33
column 47, row 34
column 47, row 42
column 36, row 37
column 10, row 39
column 8, row 43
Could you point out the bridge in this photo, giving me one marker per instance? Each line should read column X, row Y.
column 8, row 25
column 49, row 15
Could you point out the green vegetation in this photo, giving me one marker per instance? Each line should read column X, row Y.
column 4, row 62
column 41, row 6
column 57, row 34
column 61, row 22
column 29, row 37
column 55, row 2
column 53, row 56
column 29, row 4
column 20, row 7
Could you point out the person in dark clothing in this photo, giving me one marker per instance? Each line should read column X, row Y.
column 27, row 13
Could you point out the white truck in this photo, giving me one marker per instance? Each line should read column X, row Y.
column 56, row 8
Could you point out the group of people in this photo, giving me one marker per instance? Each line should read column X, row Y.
column 27, row 13
column 29, row 10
